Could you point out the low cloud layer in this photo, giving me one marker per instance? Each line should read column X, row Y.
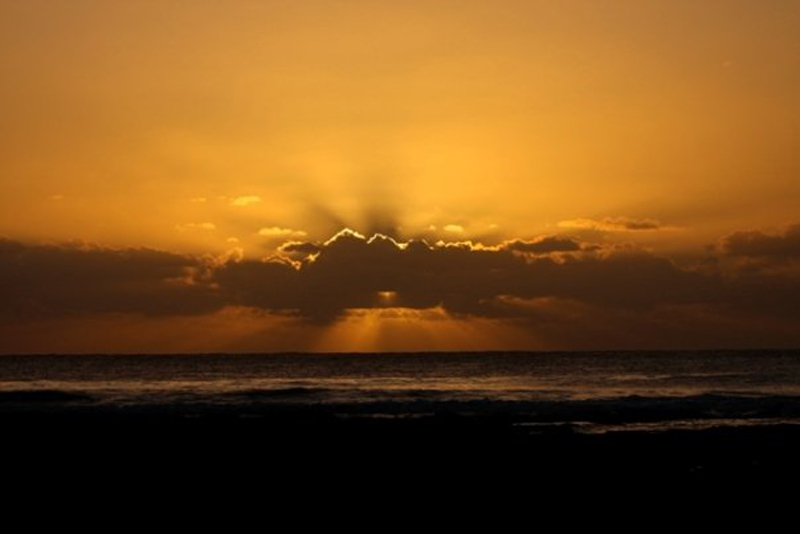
column 784, row 246
column 529, row 282
column 59, row 280
column 549, row 245
column 351, row 272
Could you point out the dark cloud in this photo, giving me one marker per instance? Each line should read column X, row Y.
column 46, row 280
column 300, row 249
column 638, row 225
column 547, row 245
column 350, row 272
column 464, row 279
column 756, row 244
column 614, row 224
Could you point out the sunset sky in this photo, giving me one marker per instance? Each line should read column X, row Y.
column 207, row 176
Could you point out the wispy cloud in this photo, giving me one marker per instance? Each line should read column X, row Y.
column 614, row 224
column 245, row 200
column 277, row 231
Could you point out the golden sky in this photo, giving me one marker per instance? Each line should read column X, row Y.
column 203, row 136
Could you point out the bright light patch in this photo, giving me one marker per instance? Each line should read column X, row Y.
column 276, row 231
column 387, row 297
column 246, row 200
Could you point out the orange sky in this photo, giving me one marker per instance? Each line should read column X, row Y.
column 216, row 132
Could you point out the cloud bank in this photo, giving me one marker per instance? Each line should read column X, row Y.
column 553, row 284
column 784, row 246
column 63, row 280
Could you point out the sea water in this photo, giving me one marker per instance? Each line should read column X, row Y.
column 594, row 392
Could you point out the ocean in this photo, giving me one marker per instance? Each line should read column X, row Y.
column 587, row 392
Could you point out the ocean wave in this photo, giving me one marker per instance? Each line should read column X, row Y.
column 369, row 403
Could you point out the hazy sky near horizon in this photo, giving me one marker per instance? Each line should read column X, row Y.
column 214, row 133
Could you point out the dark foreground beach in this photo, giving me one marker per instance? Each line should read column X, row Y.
column 300, row 446
column 464, row 423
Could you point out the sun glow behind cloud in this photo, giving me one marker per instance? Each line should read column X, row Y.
column 400, row 329
column 376, row 115
column 533, row 130
column 357, row 293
